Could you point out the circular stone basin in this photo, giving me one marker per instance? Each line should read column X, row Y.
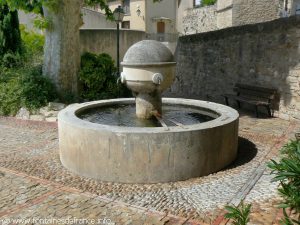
column 124, row 115
column 133, row 153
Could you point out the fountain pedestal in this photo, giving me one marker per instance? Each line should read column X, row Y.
column 148, row 70
column 148, row 105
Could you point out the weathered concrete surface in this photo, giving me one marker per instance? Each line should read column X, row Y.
column 147, row 155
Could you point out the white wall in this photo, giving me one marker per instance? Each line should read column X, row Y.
column 165, row 8
column 93, row 20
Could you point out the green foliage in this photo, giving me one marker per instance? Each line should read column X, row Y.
column 208, row 2
column 37, row 90
column 33, row 46
column 34, row 6
column 10, row 38
column 287, row 172
column 67, row 97
column 24, row 87
column 42, row 23
column 98, row 79
column 11, row 60
column 21, row 82
column 10, row 92
column 239, row 215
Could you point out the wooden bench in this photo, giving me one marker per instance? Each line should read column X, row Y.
column 257, row 96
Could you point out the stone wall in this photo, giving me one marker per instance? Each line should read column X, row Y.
column 198, row 20
column 105, row 40
column 267, row 54
column 254, row 11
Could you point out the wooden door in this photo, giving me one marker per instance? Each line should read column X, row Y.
column 160, row 27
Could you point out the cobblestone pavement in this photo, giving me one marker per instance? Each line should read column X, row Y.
column 35, row 186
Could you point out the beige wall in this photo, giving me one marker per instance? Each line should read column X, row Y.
column 105, row 41
column 93, row 20
column 224, row 13
column 136, row 22
column 165, row 8
column 150, row 10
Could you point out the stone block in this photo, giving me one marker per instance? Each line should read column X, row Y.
column 43, row 110
column 37, row 117
column 23, row 114
column 51, row 119
column 51, row 113
column 56, row 106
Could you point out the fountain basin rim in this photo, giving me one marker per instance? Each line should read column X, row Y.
column 227, row 115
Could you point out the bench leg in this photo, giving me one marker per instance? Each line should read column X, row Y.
column 269, row 111
column 256, row 111
column 226, row 100
column 239, row 104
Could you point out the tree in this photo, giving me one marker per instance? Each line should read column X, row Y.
column 61, row 52
column 10, row 38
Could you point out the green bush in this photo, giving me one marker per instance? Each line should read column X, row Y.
column 98, row 78
column 24, row 87
column 287, row 172
column 208, row 2
column 11, row 60
column 33, row 45
column 37, row 90
column 239, row 215
column 10, row 92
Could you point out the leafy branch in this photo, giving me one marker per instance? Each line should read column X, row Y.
column 239, row 215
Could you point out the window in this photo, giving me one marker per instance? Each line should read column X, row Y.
column 197, row 3
column 126, row 6
column 126, row 24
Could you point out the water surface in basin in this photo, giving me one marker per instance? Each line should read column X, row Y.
column 124, row 115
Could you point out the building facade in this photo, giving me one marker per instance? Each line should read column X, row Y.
column 228, row 13
column 158, row 20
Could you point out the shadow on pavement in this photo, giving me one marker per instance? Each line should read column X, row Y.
column 246, row 152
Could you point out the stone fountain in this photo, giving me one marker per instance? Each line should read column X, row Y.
column 148, row 70
column 147, row 139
